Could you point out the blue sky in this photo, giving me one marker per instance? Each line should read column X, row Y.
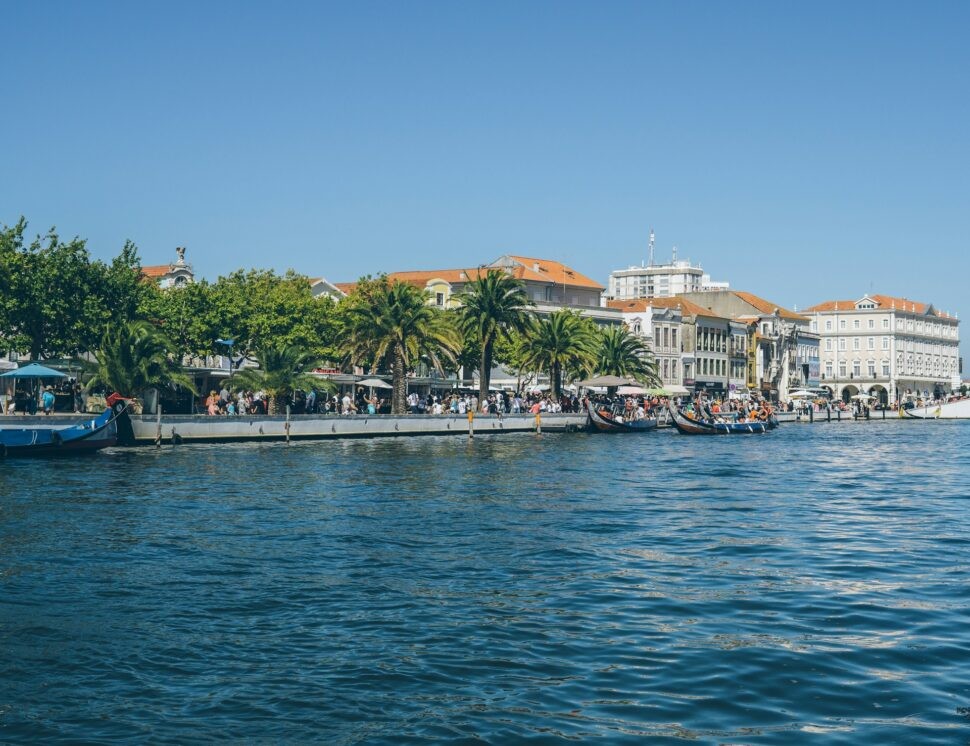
column 802, row 152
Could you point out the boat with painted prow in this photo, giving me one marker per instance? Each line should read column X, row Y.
column 82, row 437
column 954, row 410
column 689, row 425
column 603, row 421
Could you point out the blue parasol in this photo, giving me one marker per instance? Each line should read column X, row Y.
column 34, row 370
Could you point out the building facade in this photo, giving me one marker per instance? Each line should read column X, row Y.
column 173, row 275
column 890, row 348
column 659, row 281
column 658, row 322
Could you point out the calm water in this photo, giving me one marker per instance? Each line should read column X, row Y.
column 809, row 586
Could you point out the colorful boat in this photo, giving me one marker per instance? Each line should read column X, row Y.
column 44, row 440
column 689, row 425
column 603, row 421
column 955, row 410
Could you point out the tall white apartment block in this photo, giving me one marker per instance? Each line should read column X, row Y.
column 890, row 348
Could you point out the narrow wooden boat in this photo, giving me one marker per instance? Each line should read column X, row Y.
column 688, row 425
column 82, row 437
column 602, row 421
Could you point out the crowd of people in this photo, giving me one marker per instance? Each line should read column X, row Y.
column 360, row 401
column 710, row 409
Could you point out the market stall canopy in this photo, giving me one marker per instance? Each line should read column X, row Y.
column 376, row 383
column 801, row 394
column 34, row 370
column 676, row 390
column 607, row 381
column 860, row 397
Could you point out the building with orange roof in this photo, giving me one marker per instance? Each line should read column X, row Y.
column 782, row 351
column 173, row 275
column 887, row 347
column 550, row 285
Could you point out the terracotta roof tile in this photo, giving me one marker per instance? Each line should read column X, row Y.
column 767, row 306
column 157, row 270
column 881, row 301
column 549, row 270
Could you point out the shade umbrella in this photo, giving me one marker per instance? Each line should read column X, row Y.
column 375, row 383
column 861, row 397
column 607, row 381
column 633, row 391
column 801, row 394
column 34, row 370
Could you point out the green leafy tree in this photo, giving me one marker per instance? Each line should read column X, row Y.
column 135, row 356
column 186, row 315
column 492, row 306
column 390, row 324
column 619, row 352
column 51, row 304
column 563, row 341
column 283, row 369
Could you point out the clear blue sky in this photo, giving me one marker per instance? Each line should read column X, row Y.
column 802, row 152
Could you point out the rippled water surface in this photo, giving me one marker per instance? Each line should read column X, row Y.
column 808, row 586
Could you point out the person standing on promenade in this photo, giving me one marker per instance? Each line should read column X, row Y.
column 48, row 400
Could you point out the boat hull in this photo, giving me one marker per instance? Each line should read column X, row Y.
column 45, row 441
column 689, row 426
column 602, row 422
column 957, row 410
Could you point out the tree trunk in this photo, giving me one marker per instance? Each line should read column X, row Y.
column 484, row 372
column 556, row 376
column 399, row 380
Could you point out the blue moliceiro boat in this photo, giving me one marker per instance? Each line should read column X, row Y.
column 43, row 440
column 689, row 425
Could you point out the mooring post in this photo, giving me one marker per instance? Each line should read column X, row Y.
column 471, row 423
column 287, row 426
column 158, row 425
column 811, row 414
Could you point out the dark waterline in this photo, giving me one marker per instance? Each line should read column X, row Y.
column 808, row 586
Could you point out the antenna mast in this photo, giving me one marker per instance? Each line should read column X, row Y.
column 650, row 253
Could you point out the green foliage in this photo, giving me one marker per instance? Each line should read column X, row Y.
column 52, row 300
column 134, row 356
column 391, row 325
column 283, row 369
column 563, row 341
column 493, row 305
column 619, row 352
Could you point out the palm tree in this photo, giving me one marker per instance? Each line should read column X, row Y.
column 621, row 353
column 135, row 356
column 282, row 370
column 392, row 325
column 492, row 306
column 561, row 342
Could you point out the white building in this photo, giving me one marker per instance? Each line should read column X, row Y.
column 659, row 324
column 888, row 347
column 173, row 275
column 652, row 280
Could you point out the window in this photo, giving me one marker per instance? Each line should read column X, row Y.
column 885, row 367
column 872, row 343
column 885, row 323
column 842, row 324
column 841, row 368
column 828, row 345
column 828, row 325
column 828, row 369
column 855, row 343
column 872, row 323
column 673, row 338
column 872, row 368
column 666, row 368
column 841, row 344
column 656, row 337
column 885, row 343
column 855, row 323
column 673, row 369
column 666, row 336
column 856, row 368
column 439, row 299
column 814, row 326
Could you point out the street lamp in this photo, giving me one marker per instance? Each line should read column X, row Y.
column 228, row 342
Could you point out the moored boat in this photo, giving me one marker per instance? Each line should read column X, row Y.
column 689, row 425
column 603, row 421
column 81, row 437
column 955, row 410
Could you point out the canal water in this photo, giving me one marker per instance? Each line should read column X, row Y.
column 808, row 586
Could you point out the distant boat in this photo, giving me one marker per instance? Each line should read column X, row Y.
column 42, row 440
column 690, row 426
column 955, row 410
column 604, row 422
